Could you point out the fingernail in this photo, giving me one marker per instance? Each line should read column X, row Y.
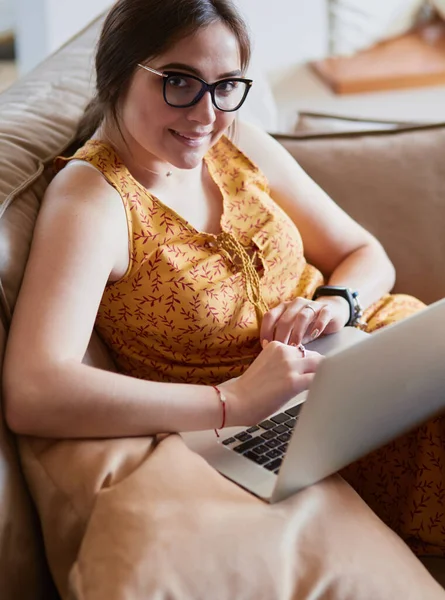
column 315, row 334
column 264, row 343
column 294, row 345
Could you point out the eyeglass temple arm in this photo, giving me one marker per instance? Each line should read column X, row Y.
column 152, row 70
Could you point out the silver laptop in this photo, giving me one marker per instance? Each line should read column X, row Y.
column 369, row 390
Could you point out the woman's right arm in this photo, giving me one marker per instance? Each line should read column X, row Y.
column 80, row 242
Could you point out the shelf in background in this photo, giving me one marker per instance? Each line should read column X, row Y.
column 7, row 45
column 416, row 59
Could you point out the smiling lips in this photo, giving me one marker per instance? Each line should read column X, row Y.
column 191, row 139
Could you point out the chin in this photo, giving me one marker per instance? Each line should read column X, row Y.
column 189, row 160
column 187, row 154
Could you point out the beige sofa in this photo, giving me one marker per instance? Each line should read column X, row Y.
column 392, row 181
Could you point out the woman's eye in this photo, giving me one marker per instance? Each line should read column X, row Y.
column 177, row 81
column 226, row 87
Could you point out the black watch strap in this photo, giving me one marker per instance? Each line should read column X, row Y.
column 355, row 309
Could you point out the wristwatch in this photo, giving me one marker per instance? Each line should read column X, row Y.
column 355, row 309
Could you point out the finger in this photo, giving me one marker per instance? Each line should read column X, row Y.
column 302, row 382
column 302, row 323
column 269, row 322
column 309, row 364
column 302, row 350
column 285, row 324
column 318, row 325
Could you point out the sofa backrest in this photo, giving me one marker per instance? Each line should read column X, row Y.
column 393, row 183
column 38, row 119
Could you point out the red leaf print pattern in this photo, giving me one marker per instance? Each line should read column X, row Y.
column 167, row 223
column 213, row 313
column 148, row 300
column 171, row 301
column 137, row 282
column 180, row 283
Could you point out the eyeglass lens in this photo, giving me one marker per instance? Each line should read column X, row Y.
column 182, row 90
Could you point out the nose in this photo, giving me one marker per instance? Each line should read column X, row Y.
column 203, row 112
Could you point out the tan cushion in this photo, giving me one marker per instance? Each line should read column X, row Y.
column 22, row 571
column 158, row 522
column 393, row 183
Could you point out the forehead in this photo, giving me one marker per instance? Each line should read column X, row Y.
column 211, row 50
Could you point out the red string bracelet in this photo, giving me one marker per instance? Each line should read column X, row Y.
column 222, row 399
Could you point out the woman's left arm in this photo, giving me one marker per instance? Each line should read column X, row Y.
column 340, row 248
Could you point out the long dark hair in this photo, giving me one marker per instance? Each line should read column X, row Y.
column 135, row 30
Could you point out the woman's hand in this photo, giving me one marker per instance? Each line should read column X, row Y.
column 279, row 373
column 300, row 321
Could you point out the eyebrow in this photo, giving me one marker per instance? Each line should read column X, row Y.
column 184, row 67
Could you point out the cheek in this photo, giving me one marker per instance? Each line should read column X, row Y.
column 133, row 111
column 146, row 121
column 223, row 121
column 144, row 109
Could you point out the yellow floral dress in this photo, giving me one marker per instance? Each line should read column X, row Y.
column 189, row 306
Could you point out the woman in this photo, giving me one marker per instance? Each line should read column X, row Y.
column 185, row 249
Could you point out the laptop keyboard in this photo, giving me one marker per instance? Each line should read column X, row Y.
column 266, row 443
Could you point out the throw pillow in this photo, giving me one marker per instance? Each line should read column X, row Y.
column 358, row 24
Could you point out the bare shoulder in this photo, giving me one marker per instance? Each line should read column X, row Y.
column 80, row 186
column 81, row 203
column 267, row 153
column 251, row 135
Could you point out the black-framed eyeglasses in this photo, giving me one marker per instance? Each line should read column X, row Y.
column 182, row 90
